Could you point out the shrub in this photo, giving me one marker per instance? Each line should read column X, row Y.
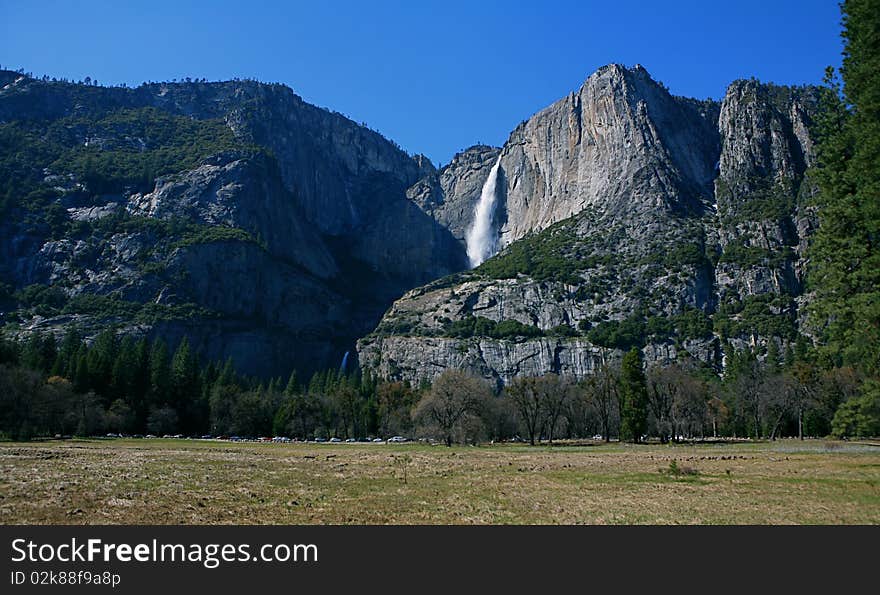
column 479, row 326
column 622, row 334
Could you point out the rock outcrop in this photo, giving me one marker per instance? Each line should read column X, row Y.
column 300, row 235
column 289, row 230
column 621, row 204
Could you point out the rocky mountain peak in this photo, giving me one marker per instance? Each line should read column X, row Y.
column 622, row 208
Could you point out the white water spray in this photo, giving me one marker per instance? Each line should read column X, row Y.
column 482, row 241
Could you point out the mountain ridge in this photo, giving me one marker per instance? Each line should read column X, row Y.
column 304, row 227
column 644, row 213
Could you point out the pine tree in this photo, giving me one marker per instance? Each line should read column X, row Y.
column 185, row 389
column 141, row 379
column 292, row 387
column 226, row 377
column 31, row 353
column 844, row 255
column 633, row 397
column 9, row 351
column 70, row 345
column 316, row 384
column 773, row 358
column 102, row 356
column 81, row 376
column 124, row 372
column 160, row 376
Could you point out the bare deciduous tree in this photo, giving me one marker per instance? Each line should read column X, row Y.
column 524, row 394
column 555, row 392
column 745, row 383
column 664, row 383
column 677, row 400
column 601, row 392
column 454, row 399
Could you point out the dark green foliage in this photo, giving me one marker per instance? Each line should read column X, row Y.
column 675, row 256
column 563, row 330
column 512, row 329
column 42, row 299
column 39, row 353
column 395, row 327
column 160, row 370
column 633, row 397
column 751, row 256
column 479, row 326
column 636, row 331
column 766, row 199
column 185, row 387
column 128, row 149
column 545, row 256
column 693, row 324
column 659, row 328
column 291, row 389
column 207, row 234
column 48, row 301
column 844, row 254
column 860, row 416
column 618, row 334
column 765, row 315
column 101, row 357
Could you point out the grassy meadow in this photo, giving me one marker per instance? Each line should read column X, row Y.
column 206, row 482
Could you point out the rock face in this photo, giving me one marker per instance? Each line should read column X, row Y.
column 241, row 191
column 620, row 204
column 279, row 252
column 621, row 144
column 450, row 195
column 761, row 191
column 289, row 230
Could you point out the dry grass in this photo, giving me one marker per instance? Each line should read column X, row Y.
column 194, row 482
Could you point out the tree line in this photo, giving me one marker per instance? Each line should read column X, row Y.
column 765, row 397
column 133, row 386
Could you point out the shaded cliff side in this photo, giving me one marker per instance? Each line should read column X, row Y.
column 262, row 227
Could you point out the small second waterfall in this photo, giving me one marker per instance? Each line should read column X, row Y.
column 482, row 237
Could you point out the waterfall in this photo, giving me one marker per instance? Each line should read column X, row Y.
column 481, row 238
column 344, row 363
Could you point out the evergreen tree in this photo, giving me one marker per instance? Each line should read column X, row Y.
column 67, row 352
column 9, row 351
column 844, row 256
column 139, row 401
column 101, row 358
column 773, row 359
column 39, row 352
column 633, row 397
column 292, row 387
column 185, row 388
column 125, row 371
column 160, row 376
column 316, row 384
column 81, row 377
column 226, row 377
column 59, row 368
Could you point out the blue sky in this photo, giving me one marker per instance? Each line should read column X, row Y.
column 434, row 76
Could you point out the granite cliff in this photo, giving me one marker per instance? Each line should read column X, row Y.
column 628, row 216
column 264, row 228
column 277, row 233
